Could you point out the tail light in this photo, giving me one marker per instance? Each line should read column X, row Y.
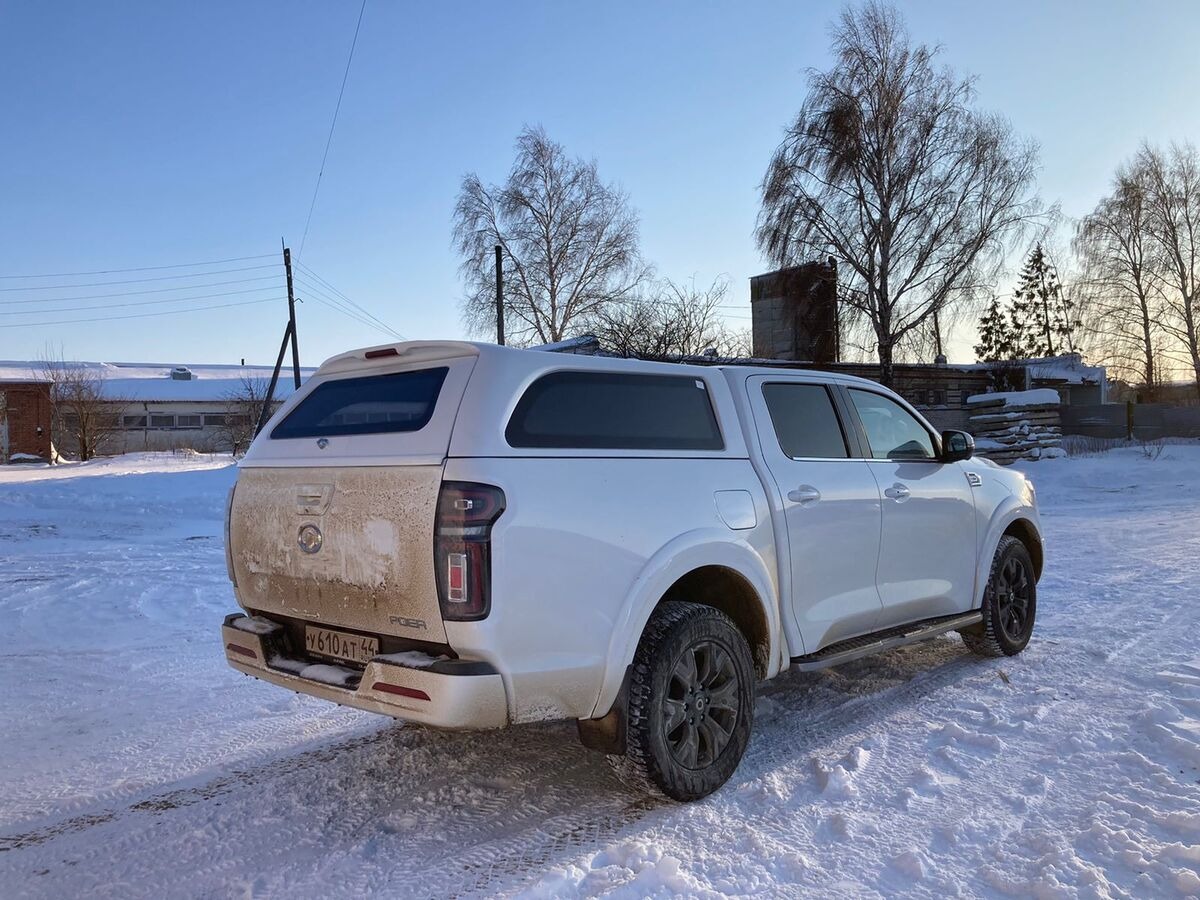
column 462, row 548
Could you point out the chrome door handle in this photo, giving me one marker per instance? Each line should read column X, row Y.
column 804, row 495
column 897, row 492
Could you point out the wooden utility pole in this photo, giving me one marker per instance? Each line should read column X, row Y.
column 499, row 297
column 289, row 334
column 287, row 265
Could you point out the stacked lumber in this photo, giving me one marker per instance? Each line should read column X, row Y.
column 1016, row 425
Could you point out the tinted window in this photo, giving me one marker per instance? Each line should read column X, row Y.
column 376, row 404
column 608, row 411
column 892, row 430
column 804, row 420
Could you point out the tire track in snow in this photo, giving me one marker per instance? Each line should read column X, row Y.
column 581, row 805
column 181, row 797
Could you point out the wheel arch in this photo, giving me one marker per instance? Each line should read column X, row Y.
column 728, row 590
column 1026, row 532
column 709, row 569
column 1020, row 521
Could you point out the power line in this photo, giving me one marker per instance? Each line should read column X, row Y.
column 315, row 293
column 184, row 287
column 341, row 306
column 354, row 311
column 349, row 314
column 169, row 312
column 329, row 139
column 308, row 273
column 23, row 312
column 56, row 287
column 365, row 318
column 211, row 262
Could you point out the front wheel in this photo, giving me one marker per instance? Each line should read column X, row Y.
column 1009, row 603
column 691, row 703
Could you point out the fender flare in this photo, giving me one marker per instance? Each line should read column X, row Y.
column 1011, row 510
column 685, row 553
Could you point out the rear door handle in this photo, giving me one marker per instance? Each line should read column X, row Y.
column 805, row 495
column 897, row 492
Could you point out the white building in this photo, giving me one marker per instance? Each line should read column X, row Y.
column 167, row 406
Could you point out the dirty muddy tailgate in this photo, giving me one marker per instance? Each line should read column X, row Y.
column 373, row 570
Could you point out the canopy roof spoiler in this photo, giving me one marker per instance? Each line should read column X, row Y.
column 407, row 351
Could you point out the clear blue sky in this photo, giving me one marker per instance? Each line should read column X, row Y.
column 150, row 134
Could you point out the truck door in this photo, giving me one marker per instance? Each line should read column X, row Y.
column 830, row 503
column 927, row 555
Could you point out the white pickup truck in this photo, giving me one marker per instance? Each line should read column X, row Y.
column 470, row 536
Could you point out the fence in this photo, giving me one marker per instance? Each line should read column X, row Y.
column 1143, row 421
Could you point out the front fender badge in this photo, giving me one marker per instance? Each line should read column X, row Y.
column 310, row 538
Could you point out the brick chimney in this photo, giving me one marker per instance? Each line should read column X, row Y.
column 794, row 313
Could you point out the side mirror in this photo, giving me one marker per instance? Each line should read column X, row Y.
column 957, row 445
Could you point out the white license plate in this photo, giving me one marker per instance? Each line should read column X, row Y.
column 340, row 645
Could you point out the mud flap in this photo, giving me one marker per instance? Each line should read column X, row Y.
column 607, row 734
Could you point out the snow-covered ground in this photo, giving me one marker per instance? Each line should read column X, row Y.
column 133, row 762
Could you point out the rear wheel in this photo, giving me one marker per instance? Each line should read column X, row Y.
column 1009, row 603
column 691, row 703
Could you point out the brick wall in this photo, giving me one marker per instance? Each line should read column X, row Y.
column 795, row 315
column 27, row 412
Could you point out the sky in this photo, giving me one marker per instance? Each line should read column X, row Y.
column 149, row 134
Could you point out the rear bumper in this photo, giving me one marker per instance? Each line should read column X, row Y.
column 458, row 694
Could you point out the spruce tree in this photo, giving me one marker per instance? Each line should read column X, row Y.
column 1041, row 318
column 995, row 335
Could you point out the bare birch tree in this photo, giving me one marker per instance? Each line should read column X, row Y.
column 569, row 242
column 1173, row 197
column 83, row 412
column 889, row 168
column 243, row 407
column 670, row 320
column 1122, row 281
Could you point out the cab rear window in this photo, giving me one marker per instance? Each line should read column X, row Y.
column 611, row 411
column 374, row 404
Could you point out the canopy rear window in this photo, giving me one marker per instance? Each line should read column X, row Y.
column 610, row 411
column 374, row 404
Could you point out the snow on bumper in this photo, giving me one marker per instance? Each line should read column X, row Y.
column 451, row 694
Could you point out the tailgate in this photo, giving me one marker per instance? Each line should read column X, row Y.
column 352, row 464
column 373, row 569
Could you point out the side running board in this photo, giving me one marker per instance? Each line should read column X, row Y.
column 878, row 641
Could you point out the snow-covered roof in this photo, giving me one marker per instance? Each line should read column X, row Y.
column 585, row 343
column 1068, row 368
column 1036, row 397
column 154, row 381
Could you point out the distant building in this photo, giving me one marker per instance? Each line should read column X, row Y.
column 795, row 313
column 162, row 406
column 24, row 419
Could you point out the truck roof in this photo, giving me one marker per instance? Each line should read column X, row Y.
column 418, row 351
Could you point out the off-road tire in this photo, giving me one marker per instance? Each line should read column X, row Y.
column 997, row 634
column 650, row 763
